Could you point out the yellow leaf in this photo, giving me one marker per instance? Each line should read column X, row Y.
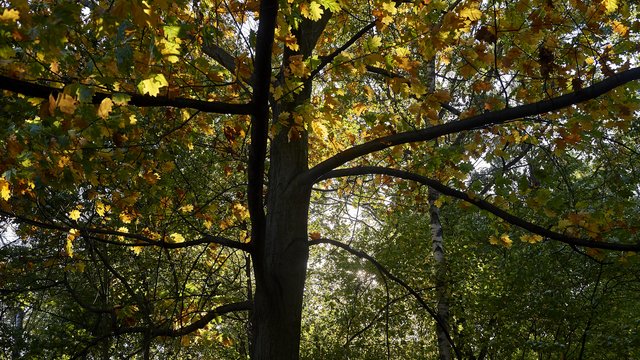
column 10, row 15
column 126, row 217
column 387, row 19
column 619, row 28
column 176, row 238
column 105, row 108
column 63, row 161
column 66, row 103
column 68, row 247
column 102, row 209
column 297, row 66
column 531, row 238
column 74, row 214
column 152, row 85
column 402, row 52
column 610, row 5
column 472, row 14
column 5, row 192
column 319, row 130
column 26, row 163
column 186, row 208
column 136, row 249
column 505, row 240
column 240, row 212
column 313, row 11
column 390, row 7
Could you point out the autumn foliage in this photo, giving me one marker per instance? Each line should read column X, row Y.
column 166, row 165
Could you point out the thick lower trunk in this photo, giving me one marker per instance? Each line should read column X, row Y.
column 280, row 263
column 280, row 283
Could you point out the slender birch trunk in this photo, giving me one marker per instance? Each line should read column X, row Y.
column 440, row 274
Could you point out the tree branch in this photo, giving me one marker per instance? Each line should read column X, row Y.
column 390, row 74
column 143, row 240
column 42, row 91
column 260, row 119
column 474, row 122
column 326, row 60
column 185, row 330
column 221, row 56
column 205, row 319
column 395, row 279
column 482, row 204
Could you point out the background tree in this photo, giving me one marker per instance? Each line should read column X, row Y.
column 160, row 161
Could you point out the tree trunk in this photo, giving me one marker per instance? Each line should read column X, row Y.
column 444, row 348
column 280, row 261
column 280, row 264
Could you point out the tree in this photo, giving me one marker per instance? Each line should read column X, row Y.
column 160, row 158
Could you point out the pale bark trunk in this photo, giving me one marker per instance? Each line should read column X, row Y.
column 440, row 273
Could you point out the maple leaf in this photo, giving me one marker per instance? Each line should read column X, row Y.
column 390, row 8
column 503, row 240
column 5, row 192
column 374, row 42
column 152, row 85
column 66, row 103
column 136, row 249
column 74, row 214
column 102, row 209
column 313, row 11
column 106, row 105
column 531, row 238
column 186, row 208
column 240, row 212
column 297, row 66
column 610, row 5
column 68, row 247
column 506, row 241
column 619, row 28
column 176, row 238
column 472, row 14
column 10, row 15
column 126, row 217
column 331, row 5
